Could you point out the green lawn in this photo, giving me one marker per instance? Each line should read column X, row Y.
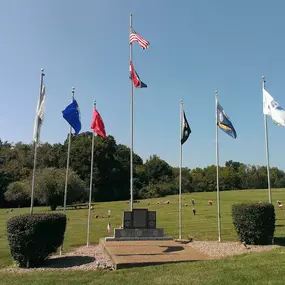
column 260, row 268
column 243, row 269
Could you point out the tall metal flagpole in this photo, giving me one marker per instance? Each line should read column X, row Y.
column 91, row 180
column 35, row 153
column 180, row 172
column 67, row 167
column 132, row 126
column 67, row 161
column 217, row 162
column 266, row 146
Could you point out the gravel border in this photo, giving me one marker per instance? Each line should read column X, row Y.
column 219, row 250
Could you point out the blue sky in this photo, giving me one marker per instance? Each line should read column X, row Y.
column 197, row 47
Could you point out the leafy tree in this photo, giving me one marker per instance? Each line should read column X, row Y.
column 157, row 170
column 111, row 173
column 277, row 177
column 242, row 173
column 160, row 189
column 257, row 176
column 50, row 183
column 198, row 180
column 18, row 192
column 210, row 177
column 47, row 157
column 233, row 164
column 186, row 179
column 123, row 156
column 12, row 168
column 235, row 180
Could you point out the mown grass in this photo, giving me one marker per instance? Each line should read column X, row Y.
column 259, row 268
column 203, row 226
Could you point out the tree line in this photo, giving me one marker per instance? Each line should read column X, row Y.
column 111, row 173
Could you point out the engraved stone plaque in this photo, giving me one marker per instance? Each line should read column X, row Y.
column 127, row 219
column 140, row 218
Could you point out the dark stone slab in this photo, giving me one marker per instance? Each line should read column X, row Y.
column 139, row 219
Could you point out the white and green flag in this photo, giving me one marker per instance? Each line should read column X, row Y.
column 39, row 115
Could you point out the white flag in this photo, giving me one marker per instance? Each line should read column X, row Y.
column 273, row 109
column 39, row 115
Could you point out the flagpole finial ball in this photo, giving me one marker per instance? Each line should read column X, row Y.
column 216, row 92
column 42, row 70
column 73, row 88
column 263, row 77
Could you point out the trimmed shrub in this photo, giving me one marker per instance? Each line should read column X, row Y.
column 254, row 222
column 32, row 238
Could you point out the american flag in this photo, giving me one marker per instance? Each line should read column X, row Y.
column 134, row 37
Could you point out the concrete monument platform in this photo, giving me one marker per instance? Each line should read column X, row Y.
column 126, row 254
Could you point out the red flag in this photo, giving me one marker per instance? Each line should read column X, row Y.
column 97, row 124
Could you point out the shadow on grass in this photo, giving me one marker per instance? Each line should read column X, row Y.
column 68, row 261
column 279, row 241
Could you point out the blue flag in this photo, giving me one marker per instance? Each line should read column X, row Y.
column 224, row 122
column 72, row 115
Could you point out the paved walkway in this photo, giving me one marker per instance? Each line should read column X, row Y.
column 126, row 254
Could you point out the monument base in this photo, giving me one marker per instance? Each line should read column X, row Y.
column 127, row 254
column 138, row 234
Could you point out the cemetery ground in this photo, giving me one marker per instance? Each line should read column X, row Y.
column 251, row 268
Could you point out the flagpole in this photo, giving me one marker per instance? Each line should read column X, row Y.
column 132, row 125
column 67, row 168
column 267, row 151
column 217, row 166
column 35, row 153
column 67, row 162
column 91, row 180
column 180, row 173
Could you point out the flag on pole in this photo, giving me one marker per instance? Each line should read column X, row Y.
column 224, row 122
column 109, row 229
column 186, row 131
column 39, row 115
column 273, row 109
column 97, row 124
column 134, row 37
column 135, row 77
column 72, row 115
